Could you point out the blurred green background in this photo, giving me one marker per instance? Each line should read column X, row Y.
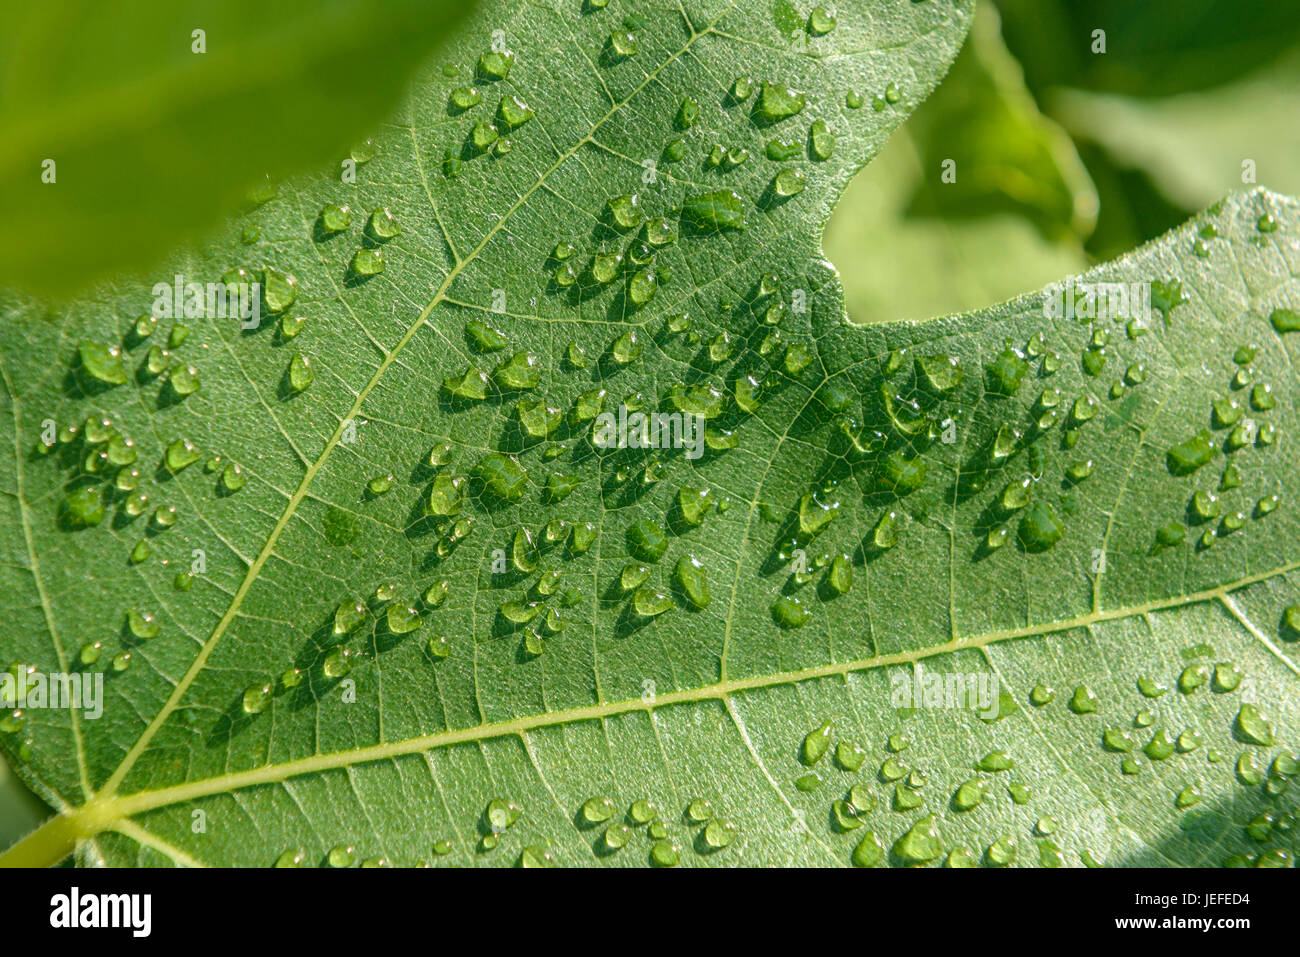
column 1064, row 157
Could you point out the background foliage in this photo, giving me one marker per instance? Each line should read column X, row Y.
column 1066, row 157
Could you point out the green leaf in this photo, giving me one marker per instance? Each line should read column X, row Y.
column 125, row 133
column 641, row 656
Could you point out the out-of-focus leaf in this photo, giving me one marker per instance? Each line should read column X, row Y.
column 1131, row 210
column 151, row 141
column 896, row 266
column 1152, row 49
column 912, row 246
column 1008, row 157
column 1193, row 146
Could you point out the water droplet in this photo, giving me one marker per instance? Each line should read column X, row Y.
column 1002, row 852
column 820, row 22
column 367, row 262
column 1160, row 747
column 502, row 476
column 642, row 286
column 693, row 579
column 82, row 507
column 279, row 291
column 626, row 348
column 921, row 843
column 1039, row 528
column 617, row 835
column 513, row 112
column 968, row 795
column 1193, row 677
column 1251, row 727
column 523, row 550
column 502, row 814
column 465, row 97
column 625, row 211
column 536, row 856
column 1006, row 372
column 649, row 601
column 720, row 209
column 646, row 540
column 623, row 43
column 777, row 102
column 292, row 858
column 582, row 537
column 719, row 833
column 1227, row 676
column 995, row 761
column 1083, row 701
column 301, row 373
column 788, row 182
column 402, row 619
column 257, row 698
column 342, row 855
column 884, row 535
column 184, row 380
column 821, row 141
column 1078, row 471
column 816, row 742
column 142, row 624
column 790, row 612
column 597, row 810
column 807, row 783
column 471, row 386
column 180, row 453
column 665, row 854
column 899, row 475
column 144, row 327
column 1041, row 695
column 103, row 363
column 495, row 65
column 1285, row 320
column 165, row 516
column 348, row 616
column 839, row 578
column 1117, row 739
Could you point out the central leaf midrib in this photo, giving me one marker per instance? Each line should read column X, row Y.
column 141, row 801
column 200, row 660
